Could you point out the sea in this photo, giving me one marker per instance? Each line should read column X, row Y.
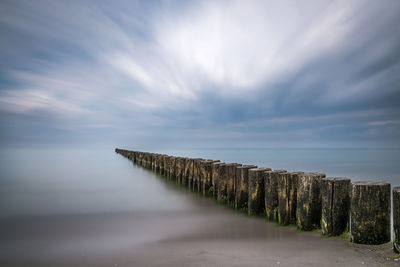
column 50, row 198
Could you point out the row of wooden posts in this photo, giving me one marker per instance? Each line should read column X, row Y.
column 309, row 200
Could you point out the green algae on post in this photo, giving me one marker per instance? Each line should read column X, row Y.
column 271, row 194
column 370, row 213
column 206, row 176
column 230, row 185
column 335, row 205
column 242, row 184
column 287, row 197
column 256, row 202
column 308, row 211
column 396, row 219
column 215, row 177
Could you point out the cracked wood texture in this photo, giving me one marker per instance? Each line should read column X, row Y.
column 191, row 169
column 256, row 202
column 271, row 194
column 215, row 177
column 164, row 169
column 196, row 174
column 186, row 172
column 396, row 219
column 242, row 185
column 161, row 164
column 206, row 174
column 287, row 197
column 370, row 213
column 222, row 182
column 230, row 186
column 309, row 207
column 335, row 205
column 180, row 167
column 172, row 171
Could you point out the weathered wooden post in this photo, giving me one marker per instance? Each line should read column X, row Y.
column 163, row 164
column 180, row 167
column 172, row 170
column 206, row 176
column 335, row 205
column 186, row 172
column 215, row 177
column 153, row 161
column 150, row 161
column 370, row 213
column 222, row 182
column 230, row 185
column 396, row 219
column 242, row 186
column 156, row 162
column 256, row 202
column 309, row 206
column 160, row 164
column 190, row 168
column 144, row 159
column 287, row 197
column 192, row 173
column 196, row 174
column 271, row 194
column 168, row 167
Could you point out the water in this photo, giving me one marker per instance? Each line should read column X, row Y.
column 63, row 202
column 61, row 181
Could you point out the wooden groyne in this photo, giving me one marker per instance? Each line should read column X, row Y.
column 308, row 200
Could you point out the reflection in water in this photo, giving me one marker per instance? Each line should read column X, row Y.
column 71, row 203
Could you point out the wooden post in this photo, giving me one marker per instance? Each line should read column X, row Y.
column 230, row 186
column 135, row 156
column 196, row 174
column 172, row 168
column 206, row 176
column 145, row 159
column 256, row 201
column 309, row 207
column 271, row 194
column 287, row 197
column 215, row 177
column 335, row 205
column 153, row 161
column 186, row 173
column 222, row 183
column 396, row 219
column 370, row 213
column 192, row 173
column 180, row 168
column 242, row 186
column 156, row 163
column 169, row 168
column 140, row 158
column 163, row 164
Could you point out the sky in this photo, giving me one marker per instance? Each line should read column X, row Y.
column 151, row 74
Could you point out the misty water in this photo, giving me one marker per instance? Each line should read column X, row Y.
column 73, row 202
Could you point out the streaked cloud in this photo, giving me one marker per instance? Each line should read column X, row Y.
column 287, row 72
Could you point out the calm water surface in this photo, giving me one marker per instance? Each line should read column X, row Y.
column 34, row 181
column 71, row 201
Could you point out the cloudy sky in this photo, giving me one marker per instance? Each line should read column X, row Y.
column 200, row 73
